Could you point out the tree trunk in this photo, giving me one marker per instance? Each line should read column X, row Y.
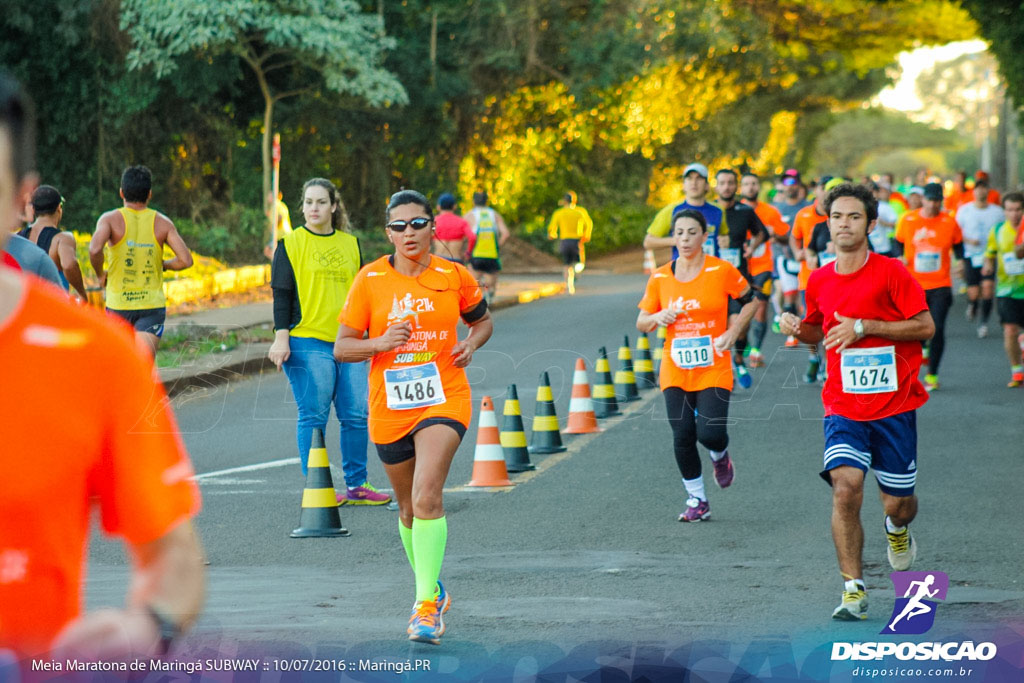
column 268, row 122
column 433, row 48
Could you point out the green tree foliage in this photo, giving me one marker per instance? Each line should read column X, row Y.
column 292, row 47
column 1000, row 23
column 602, row 96
column 858, row 133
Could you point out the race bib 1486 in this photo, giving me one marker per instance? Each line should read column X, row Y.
column 418, row 386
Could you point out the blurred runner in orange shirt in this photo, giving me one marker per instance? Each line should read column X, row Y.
column 803, row 230
column 925, row 239
column 958, row 194
column 762, row 260
column 120, row 452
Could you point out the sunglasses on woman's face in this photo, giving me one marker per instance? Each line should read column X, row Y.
column 415, row 224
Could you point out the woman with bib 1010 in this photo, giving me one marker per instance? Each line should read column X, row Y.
column 409, row 305
column 313, row 269
column 689, row 296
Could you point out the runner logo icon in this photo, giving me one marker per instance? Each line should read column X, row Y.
column 914, row 612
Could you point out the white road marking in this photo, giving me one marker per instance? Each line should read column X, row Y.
column 247, row 468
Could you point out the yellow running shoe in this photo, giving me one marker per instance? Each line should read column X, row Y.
column 902, row 549
column 854, row 606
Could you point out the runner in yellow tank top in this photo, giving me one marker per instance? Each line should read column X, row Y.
column 134, row 274
column 572, row 226
column 491, row 232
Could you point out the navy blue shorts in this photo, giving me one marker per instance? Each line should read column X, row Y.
column 888, row 446
column 150, row 320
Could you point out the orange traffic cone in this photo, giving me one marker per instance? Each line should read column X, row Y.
column 649, row 263
column 605, row 404
column 513, row 438
column 319, row 515
column 545, row 438
column 489, row 459
column 582, row 419
column 643, row 369
column 625, row 380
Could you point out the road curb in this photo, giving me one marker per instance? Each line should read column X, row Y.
column 251, row 359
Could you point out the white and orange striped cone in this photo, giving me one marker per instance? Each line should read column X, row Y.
column 582, row 419
column 650, row 265
column 489, row 459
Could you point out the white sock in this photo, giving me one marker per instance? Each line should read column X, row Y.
column 718, row 455
column 892, row 529
column 695, row 487
column 854, row 585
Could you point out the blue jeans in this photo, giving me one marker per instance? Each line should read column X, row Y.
column 317, row 380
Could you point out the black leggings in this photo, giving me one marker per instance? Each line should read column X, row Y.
column 939, row 301
column 697, row 416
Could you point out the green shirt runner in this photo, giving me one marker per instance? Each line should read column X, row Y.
column 1010, row 269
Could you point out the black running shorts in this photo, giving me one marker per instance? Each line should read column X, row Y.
column 1011, row 311
column 404, row 449
column 150, row 320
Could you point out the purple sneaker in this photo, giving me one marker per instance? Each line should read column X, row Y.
column 364, row 494
column 724, row 472
column 696, row 510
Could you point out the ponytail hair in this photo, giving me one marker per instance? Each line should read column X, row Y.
column 339, row 217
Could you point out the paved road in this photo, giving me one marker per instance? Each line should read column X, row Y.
column 585, row 557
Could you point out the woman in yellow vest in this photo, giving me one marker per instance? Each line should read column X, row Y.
column 313, row 269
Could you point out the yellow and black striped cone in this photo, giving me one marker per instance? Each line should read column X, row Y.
column 513, row 437
column 659, row 348
column 644, row 368
column 603, row 398
column 625, row 380
column 320, row 515
column 545, row 437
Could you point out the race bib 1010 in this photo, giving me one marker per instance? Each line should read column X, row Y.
column 692, row 352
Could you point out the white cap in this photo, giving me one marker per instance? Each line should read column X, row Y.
column 699, row 168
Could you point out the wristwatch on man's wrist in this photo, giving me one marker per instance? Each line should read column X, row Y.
column 858, row 328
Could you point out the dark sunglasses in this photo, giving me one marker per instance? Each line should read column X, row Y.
column 415, row 223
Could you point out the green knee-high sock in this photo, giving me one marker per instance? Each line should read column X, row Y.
column 429, row 537
column 406, row 534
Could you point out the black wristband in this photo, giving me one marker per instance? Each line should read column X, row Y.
column 169, row 629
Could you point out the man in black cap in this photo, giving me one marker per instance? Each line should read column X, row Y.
column 926, row 239
column 59, row 245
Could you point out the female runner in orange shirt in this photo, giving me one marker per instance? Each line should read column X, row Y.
column 690, row 297
column 410, row 303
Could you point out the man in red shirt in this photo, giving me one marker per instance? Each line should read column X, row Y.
column 872, row 316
